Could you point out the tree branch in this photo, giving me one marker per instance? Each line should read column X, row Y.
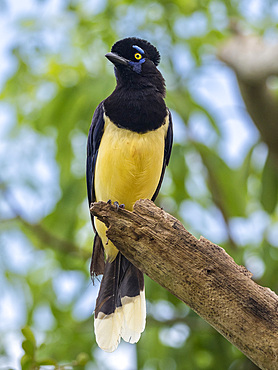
column 46, row 237
column 199, row 273
column 53, row 241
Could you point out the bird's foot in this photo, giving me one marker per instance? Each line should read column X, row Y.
column 117, row 205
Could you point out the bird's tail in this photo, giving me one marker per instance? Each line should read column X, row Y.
column 120, row 308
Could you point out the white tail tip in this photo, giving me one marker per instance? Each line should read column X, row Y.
column 127, row 321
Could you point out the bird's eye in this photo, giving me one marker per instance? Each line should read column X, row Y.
column 137, row 56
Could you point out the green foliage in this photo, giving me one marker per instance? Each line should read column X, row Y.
column 269, row 195
column 59, row 76
column 33, row 356
column 28, row 360
column 222, row 182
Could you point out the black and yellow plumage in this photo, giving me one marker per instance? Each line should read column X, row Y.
column 129, row 147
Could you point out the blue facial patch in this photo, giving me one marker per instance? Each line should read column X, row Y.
column 138, row 49
column 137, row 66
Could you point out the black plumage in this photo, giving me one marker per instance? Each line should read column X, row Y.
column 128, row 282
column 141, row 94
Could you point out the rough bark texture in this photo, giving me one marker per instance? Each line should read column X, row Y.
column 199, row 273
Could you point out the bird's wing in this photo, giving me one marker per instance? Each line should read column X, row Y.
column 167, row 153
column 94, row 138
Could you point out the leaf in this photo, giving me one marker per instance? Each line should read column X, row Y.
column 28, row 334
column 47, row 361
column 29, row 348
column 26, row 362
column 269, row 194
column 82, row 358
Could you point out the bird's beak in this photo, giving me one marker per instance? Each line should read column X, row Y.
column 116, row 59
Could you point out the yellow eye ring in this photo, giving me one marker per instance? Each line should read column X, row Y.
column 137, row 56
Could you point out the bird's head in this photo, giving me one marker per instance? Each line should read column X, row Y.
column 135, row 62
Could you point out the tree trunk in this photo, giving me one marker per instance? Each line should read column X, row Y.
column 254, row 62
column 199, row 273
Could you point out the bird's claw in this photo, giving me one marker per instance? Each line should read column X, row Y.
column 117, row 205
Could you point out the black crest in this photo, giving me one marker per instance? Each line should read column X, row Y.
column 125, row 49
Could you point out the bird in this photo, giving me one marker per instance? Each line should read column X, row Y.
column 128, row 148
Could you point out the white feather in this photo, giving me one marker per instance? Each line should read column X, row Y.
column 134, row 317
column 128, row 322
column 108, row 330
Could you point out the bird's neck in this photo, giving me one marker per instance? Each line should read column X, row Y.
column 137, row 109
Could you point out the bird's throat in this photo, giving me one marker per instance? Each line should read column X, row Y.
column 140, row 110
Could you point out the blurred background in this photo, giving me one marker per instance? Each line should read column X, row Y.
column 220, row 67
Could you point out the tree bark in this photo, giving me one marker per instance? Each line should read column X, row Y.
column 199, row 273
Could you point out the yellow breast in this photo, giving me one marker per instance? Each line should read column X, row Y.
column 128, row 168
